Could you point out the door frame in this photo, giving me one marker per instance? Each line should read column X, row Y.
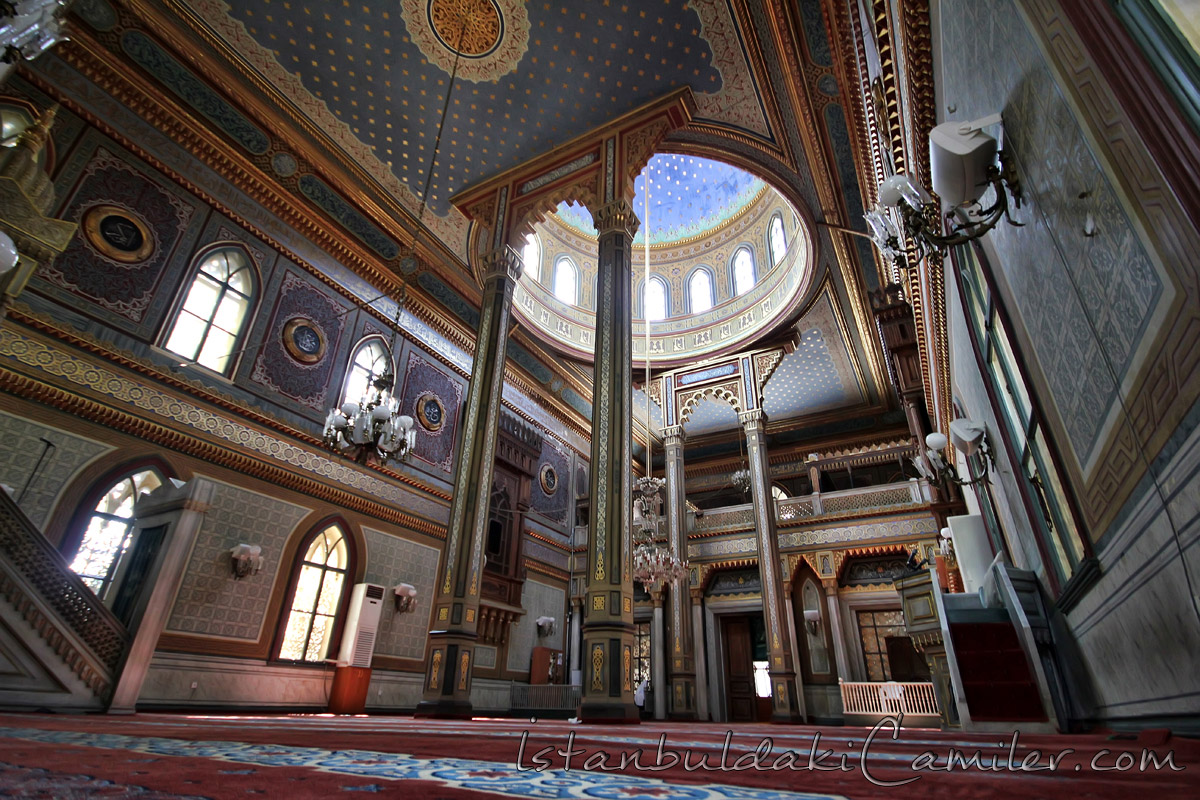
column 713, row 608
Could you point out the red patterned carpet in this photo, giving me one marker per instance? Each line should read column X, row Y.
column 164, row 756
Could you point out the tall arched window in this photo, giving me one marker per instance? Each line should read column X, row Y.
column 700, row 291
column 215, row 311
column 109, row 533
column 743, row 271
column 531, row 256
column 316, row 596
column 654, row 299
column 371, row 360
column 566, row 281
column 777, row 239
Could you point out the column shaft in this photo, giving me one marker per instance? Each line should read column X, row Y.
column 658, row 655
column 785, row 705
column 608, row 606
column 681, row 649
column 701, row 659
column 452, row 639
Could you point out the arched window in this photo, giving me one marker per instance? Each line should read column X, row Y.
column 371, row 360
column 316, row 596
column 108, row 537
column 215, row 311
column 654, row 299
column 777, row 239
column 700, row 291
column 743, row 271
column 531, row 256
column 566, row 281
column 778, row 492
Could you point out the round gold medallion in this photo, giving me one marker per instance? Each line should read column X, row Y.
column 304, row 340
column 470, row 27
column 431, row 412
column 118, row 234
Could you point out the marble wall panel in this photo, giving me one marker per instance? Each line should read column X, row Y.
column 391, row 560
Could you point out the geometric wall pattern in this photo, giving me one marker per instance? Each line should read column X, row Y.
column 20, row 446
column 1086, row 314
column 538, row 599
column 392, row 560
column 210, row 601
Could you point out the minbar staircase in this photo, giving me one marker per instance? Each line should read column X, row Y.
column 995, row 672
column 60, row 647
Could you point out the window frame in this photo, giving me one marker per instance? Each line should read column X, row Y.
column 233, row 360
column 666, row 287
column 1059, row 533
column 577, row 277
column 364, row 342
column 298, row 556
column 712, row 289
column 776, row 258
column 76, row 529
column 733, row 263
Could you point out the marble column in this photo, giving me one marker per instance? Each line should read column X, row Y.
column 785, row 703
column 456, row 599
column 576, row 676
column 840, row 653
column 658, row 652
column 680, row 651
column 789, row 603
column 701, row 659
column 608, row 607
column 173, row 513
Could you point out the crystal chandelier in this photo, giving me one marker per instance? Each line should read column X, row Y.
column 29, row 28
column 742, row 480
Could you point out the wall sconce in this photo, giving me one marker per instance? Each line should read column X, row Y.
column 405, row 596
column 246, row 559
column 811, row 617
column 971, row 438
column 964, row 162
column 545, row 626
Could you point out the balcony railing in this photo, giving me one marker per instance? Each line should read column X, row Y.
column 847, row 501
column 545, row 697
column 889, row 698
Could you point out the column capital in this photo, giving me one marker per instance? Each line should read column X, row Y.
column 500, row 263
column 830, row 585
column 616, row 217
column 673, row 435
column 697, row 593
column 754, row 418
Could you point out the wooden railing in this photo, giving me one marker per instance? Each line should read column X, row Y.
column 36, row 580
column 545, row 697
column 889, row 697
column 867, row 498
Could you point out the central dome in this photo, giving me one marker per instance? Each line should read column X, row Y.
column 728, row 257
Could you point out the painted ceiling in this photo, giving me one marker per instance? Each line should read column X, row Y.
column 688, row 196
column 527, row 76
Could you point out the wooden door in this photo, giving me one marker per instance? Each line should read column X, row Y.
column 739, row 669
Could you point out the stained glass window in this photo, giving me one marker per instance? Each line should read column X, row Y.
column 566, row 281
column 370, row 361
column 215, row 311
column 654, row 299
column 700, row 291
column 874, row 627
column 316, row 598
column 777, row 240
column 109, row 533
column 743, row 271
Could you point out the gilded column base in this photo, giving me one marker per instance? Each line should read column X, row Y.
column 608, row 675
column 448, row 680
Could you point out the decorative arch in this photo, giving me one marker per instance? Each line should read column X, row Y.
column 730, row 392
column 306, row 628
column 694, row 283
column 361, row 371
column 708, row 571
column 228, row 270
column 743, row 270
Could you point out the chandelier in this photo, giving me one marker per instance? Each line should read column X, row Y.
column 29, row 28
column 371, row 430
column 742, row 480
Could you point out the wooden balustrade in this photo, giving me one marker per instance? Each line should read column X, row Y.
column 889, row 697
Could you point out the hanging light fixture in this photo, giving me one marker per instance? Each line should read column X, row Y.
column 654, row 563
column 373, row 430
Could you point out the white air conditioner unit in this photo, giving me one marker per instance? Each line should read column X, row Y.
column 362, row 624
